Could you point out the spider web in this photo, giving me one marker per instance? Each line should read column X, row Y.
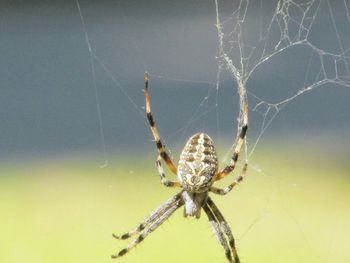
column 290, row 26
column 254, row 39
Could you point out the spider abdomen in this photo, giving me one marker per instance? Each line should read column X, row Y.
column 198, row 163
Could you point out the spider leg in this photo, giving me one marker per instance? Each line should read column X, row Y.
column 218, row 232
column 241, row 139
column 163, row 179
column 228, row 188
column 226, row 228
column 154, row 129
column 151, row 218
column 153, row 226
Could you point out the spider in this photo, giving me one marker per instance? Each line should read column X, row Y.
column 197, row 171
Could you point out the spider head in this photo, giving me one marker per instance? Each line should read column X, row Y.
column 198, row 164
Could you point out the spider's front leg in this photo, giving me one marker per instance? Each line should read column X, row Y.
column 158, row 220
column 151, row 218
column 225, row 227
column 218, row 232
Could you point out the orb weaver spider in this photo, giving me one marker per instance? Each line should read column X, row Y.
column 197, row 171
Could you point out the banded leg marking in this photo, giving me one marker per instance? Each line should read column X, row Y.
column 218, row 232
column 226, row 228
column 150, row 219
column 163, row 179
column 154, row 129
column 228, row 188
column 153, row 226
column 241, row 139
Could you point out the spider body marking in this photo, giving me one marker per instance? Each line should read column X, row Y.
column 198, row 164
column 197, row 167
column 196, row 172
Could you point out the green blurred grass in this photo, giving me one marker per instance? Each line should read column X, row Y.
column 296, row 209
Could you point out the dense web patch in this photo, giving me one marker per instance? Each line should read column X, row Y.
column 243, row 49
column 249, row 41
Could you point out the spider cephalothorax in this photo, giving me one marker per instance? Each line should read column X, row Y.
column 197, row 171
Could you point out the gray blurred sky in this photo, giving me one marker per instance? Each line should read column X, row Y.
column 47, row 102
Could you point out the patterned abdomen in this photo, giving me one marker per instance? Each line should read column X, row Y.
column 198, row 163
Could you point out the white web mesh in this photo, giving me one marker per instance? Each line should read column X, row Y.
column 247, row 44
column 250, row 42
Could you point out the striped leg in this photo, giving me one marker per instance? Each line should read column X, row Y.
column 226, row 228
column 218, row 232
column 228, row 188
column 163, row 179
column 153, row 226
column 229, row 168
column 154, row 129
column 151, row 218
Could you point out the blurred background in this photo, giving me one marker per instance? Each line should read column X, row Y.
column 77, row 156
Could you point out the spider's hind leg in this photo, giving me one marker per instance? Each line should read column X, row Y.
column 241, row 139
column 160, row 145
